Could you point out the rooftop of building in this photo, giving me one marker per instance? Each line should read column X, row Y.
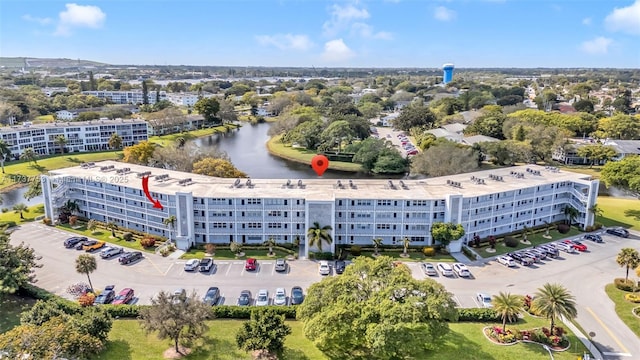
column 484, row 182
column 63, row 124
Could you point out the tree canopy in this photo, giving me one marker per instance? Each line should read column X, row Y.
column 208, row 108
column 16, row 266
column 624, row 174
column 139, row 153
column 414, row 115
column 445, row 159
column 217, row 167
column 265, row 331
column 444, row 233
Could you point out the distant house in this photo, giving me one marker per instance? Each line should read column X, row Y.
column 388, row 120
column 624, row 147
column 569, row 154
column 476, row 139
column 456, row 128
column 564, row 108
column 401, row 104
column 66, row 115
column 443, row 133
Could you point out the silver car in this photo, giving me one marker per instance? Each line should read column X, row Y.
column 428, row 269
column 263, row 298
column 281, row 265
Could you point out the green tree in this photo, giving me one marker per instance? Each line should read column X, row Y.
column 35, row 189
column 377, row 242
column 316, row 235
column 113, row 227
column 145, row 93
column 30, row 155
column 178, row 318
column 370, row 110
column 596, row 153
column 71, row 206
column 208, row 108
column 552, row 301
column 86, row 264
column 444, row 159
column 376, row 311
column 271, row 242
column 20, row 209
column 139, row 153
column 508, row 306
column 61, row 141
column 444, row 233
column 624, row 173
column 92, row 225
column 17, row 265
column 622, row 127
column 584, row 105
column 265, row 331
column 571, row 214
column 217, row 167
column 337, row 133
column 5, row 151
column 596, row 211
column 115, row 141
column 414, row 115
column 629, row 259
column 306, row 134
column 170, row 222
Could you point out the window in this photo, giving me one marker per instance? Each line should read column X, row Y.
column 364, row 215
column 274, row 213
column 383, row 226
column 363, row 202
column 384, row 202
column 274, row 225
column 219, row 225
column 254, row 201
column 420, row 203
column 254, row 225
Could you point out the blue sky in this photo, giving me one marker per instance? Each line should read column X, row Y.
column 373, row 33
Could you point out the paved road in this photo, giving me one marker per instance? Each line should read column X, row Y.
column 584, row 274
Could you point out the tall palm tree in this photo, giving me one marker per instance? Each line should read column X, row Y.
column 86, row 264
column 629, row 258
column 71, row 206
column 113, row 227
column 170, row 222
column 554, row 300
column 596, row 211
column 271, row 242
column 61, row 141
column 30, row 155
column 405, row 244
column 571, row 213
column 19, row 209
column 115, row 141
column 92, row 225
column 377, row 242
column 4, row 152
column 316, row 235
column 508, row 306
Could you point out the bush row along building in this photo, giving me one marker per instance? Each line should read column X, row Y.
column 217, row 210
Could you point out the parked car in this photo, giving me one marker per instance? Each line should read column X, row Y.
column 541, row 253
column 281, row 265
column 192, row 265
column 534, row 256
column 461, row 270
column 576, row 245
column 179, row 295
column 297, row 295
column 92, row 245
column 206, row 264
column 593, row 237
column 82, row 243
column 340, row 266
column 251, row 264
column 521, row 258
column 445, row 269
column 565, row 247
column 73, row 241
column 428, row 269
column 106, row 296
column 129, row 257
column 124, row 296
column 212, row 296
column 484, row 300
column 506, row 261
column 549, row 249
column 245, row 298
column 263, row 298
column 111, row 251
column 324, row 268
column 618, row 232
column 280, row 298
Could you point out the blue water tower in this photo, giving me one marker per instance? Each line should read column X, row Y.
column 447, row 73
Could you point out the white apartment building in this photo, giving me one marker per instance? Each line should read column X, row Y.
column 81, row 136
column 127, row 97
column 66, row 115
column 217, row 210
column 183, row 99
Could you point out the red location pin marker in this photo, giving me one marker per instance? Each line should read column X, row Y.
column 319, row 163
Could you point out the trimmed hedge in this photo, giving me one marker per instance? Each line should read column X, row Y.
column 511, row 241
column 624, row 285
column 470, row 254
column 244, row 312
column 478, row 315
column 7, row 224
column 563, row 228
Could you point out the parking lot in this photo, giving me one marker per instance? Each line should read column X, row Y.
column 387, row 133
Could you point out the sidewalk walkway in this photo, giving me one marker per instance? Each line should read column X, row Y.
column 176, row 254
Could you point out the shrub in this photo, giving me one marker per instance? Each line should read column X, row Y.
column 558, row 331
column 597, row 226
column 428, row 251
column 4, row 210
column 165, row 251
column 46, row 221
column 73, row 220
column 244, row 312
column 589, row 228
column 563, row 228
column 470, row 254
column 632, row 297
column 478, row 315
column 321, row 256
column 127, row 236
column 210, row 248
column 147, row 242
column 7, row 224
column 623, row 285
column 510, row 241
column 86, row 299
column 355, row 250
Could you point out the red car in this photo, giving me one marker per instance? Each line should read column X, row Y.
column 576, row 245
column 123, row 297
column 251, row 264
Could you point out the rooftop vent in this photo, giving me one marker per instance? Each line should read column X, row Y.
column 454, row 183
column 390, row 185
column 288, row 184
column 339, row 184
column 552, row 169
column 185, row 182
column 352, row 185
column 477, row 180
column 249, row 184
column 107, row 168
column 162, row 177
column 87, row 165
column 123, row 171
column 403, row 185
column 236, row 183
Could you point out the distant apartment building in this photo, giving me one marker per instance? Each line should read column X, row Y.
column 81, row 136
column 183, row 99
column 66, row 115
column 127, row 97
column 250, row 211
column 568, row 154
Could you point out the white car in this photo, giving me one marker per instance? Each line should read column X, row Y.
column 428, row 269
column 110, row 251
column 461, row 270
column 506, row 261
column 484, row 300
column 324, row 268
column 445, row 269
column 564, row 247
column 192, row 265
column 263, row 298
column 280, row 298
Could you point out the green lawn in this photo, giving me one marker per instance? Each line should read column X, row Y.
column 304, row 156
column 619, row 212
column 34, row 211
column 105, row 235
column 226, row 254
column 165, row 140
column 623, row 308
column 43, row 119
column 29, row 171
column 10, row 308
column 593, row 171
column 535, row 239
column 413, row 256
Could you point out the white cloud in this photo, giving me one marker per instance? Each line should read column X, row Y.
column 286, row 41
column 342, row 16
column 597, row 46
column 443, row 14
column 586, row 21
column 39, row 20
column 336, row 51
column 79, row 16
column 626, row 19
column 366, row 31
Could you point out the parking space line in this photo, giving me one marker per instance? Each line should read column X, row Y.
column 168, row 269
column 229, row 269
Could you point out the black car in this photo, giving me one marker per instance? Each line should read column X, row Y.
column 593, row 237
column 549, row 249
column 340, row 265
column 206, row 264
column 618, row 232
column 297, row 296
column 212, row 296
column 523, row 259
column 245, row 298
column 73, row 241
column 130, row 257
column 106, row 296
column 85, row 242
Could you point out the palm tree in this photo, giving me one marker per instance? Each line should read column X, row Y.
column 86, row 264
column 317, row 235
column 181, row 141
column 405, row 243
column 4, row 152
column 571, row 213
column 61, row 141
column 71, row 206
column 113, row 227
column 508, row 306
column 554, row 300
column 596, row 211
column 115, row 141
column 377, row 242
column 30, row 155
column 271, row 242
column 92, row 225
column 19, row 209
column 628, row 258
column 170, row 223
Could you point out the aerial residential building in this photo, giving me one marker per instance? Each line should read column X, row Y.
column 81, row 136
column 218, row 210
column 66, row 115
column 183, row 99
column 127, row 97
